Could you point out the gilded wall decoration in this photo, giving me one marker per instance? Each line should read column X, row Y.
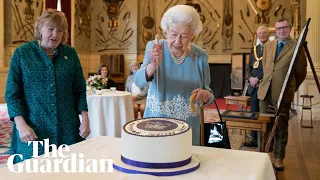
column 83, row 18
column 24, row 14
column 228, row 25
column 148, row 23
column 113, row 27
column 209, row 11
column 250, row 14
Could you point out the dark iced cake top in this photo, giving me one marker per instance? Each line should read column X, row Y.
column 156, row 127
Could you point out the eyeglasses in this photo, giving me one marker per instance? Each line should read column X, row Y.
column 283, row 28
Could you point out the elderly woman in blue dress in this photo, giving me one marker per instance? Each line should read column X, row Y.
column 46, row 90
column 138, row 94
column 176, row 68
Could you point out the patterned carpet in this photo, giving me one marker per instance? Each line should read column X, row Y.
column 5, row 135
column 236, row 138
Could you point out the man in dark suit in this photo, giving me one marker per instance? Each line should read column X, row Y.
column 276, row 59
column 255, row 74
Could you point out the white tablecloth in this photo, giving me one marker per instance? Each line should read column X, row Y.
column 108, row 113
column 215, row 164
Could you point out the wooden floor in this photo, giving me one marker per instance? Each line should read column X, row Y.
column 302, row 160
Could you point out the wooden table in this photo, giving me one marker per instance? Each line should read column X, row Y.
column 259, row 124
column 242, row 101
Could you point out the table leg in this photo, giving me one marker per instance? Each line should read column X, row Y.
column 262, row 141
column 245, row 135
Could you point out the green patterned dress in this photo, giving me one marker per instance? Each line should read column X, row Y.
column 49, row 94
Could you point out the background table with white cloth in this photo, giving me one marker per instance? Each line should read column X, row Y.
column 215, row 164
column 108, row 112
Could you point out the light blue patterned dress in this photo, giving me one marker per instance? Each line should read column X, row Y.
column 48, row 94
column 175, row 84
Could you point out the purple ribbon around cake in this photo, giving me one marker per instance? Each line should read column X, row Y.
column 155, row 165
column 174, row 173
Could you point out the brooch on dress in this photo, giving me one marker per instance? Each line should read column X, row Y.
column 65, row 57
column 195, row 55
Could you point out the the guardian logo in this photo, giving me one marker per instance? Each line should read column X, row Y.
column 58, row 161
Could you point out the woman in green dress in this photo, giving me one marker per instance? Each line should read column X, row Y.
column 46, row 90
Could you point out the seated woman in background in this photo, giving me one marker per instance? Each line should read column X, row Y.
column 104, row 72
column 138, row 94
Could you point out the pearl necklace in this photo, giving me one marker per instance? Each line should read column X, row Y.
column 49, row 54
column 178, row 60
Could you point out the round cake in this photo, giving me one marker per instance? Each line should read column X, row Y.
column 156, row 143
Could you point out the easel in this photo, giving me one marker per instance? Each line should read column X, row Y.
column 311, row 65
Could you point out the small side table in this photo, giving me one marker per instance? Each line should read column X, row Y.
column 242, row 101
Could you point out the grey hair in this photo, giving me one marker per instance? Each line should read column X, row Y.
column 134, row 63
column 183, row 14
column 263, row 27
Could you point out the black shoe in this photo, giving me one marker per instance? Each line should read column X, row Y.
column 250, row 144
column 279, row 165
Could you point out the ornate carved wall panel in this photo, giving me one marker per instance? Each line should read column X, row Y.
column 20, row 16
column 228, row 25
column 114, row 25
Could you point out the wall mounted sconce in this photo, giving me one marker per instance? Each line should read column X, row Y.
column 113, row 11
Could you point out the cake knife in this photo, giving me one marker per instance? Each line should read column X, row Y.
column 157, row 73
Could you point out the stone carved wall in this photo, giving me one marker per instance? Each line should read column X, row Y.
column 229, row 25
column 19, row 20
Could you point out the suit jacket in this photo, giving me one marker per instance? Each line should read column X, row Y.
column 255, row 72
column 275, row 71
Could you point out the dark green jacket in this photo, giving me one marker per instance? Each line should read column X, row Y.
column 49, row 94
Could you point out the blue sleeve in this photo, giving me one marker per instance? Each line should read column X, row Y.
column 139, row 77
column 207, row 78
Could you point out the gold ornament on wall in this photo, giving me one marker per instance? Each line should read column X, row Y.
column 24, row 15
column 83, row 17
column 115, row 36
column 113, row 11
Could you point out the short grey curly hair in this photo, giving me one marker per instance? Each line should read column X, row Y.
column 183, row 14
